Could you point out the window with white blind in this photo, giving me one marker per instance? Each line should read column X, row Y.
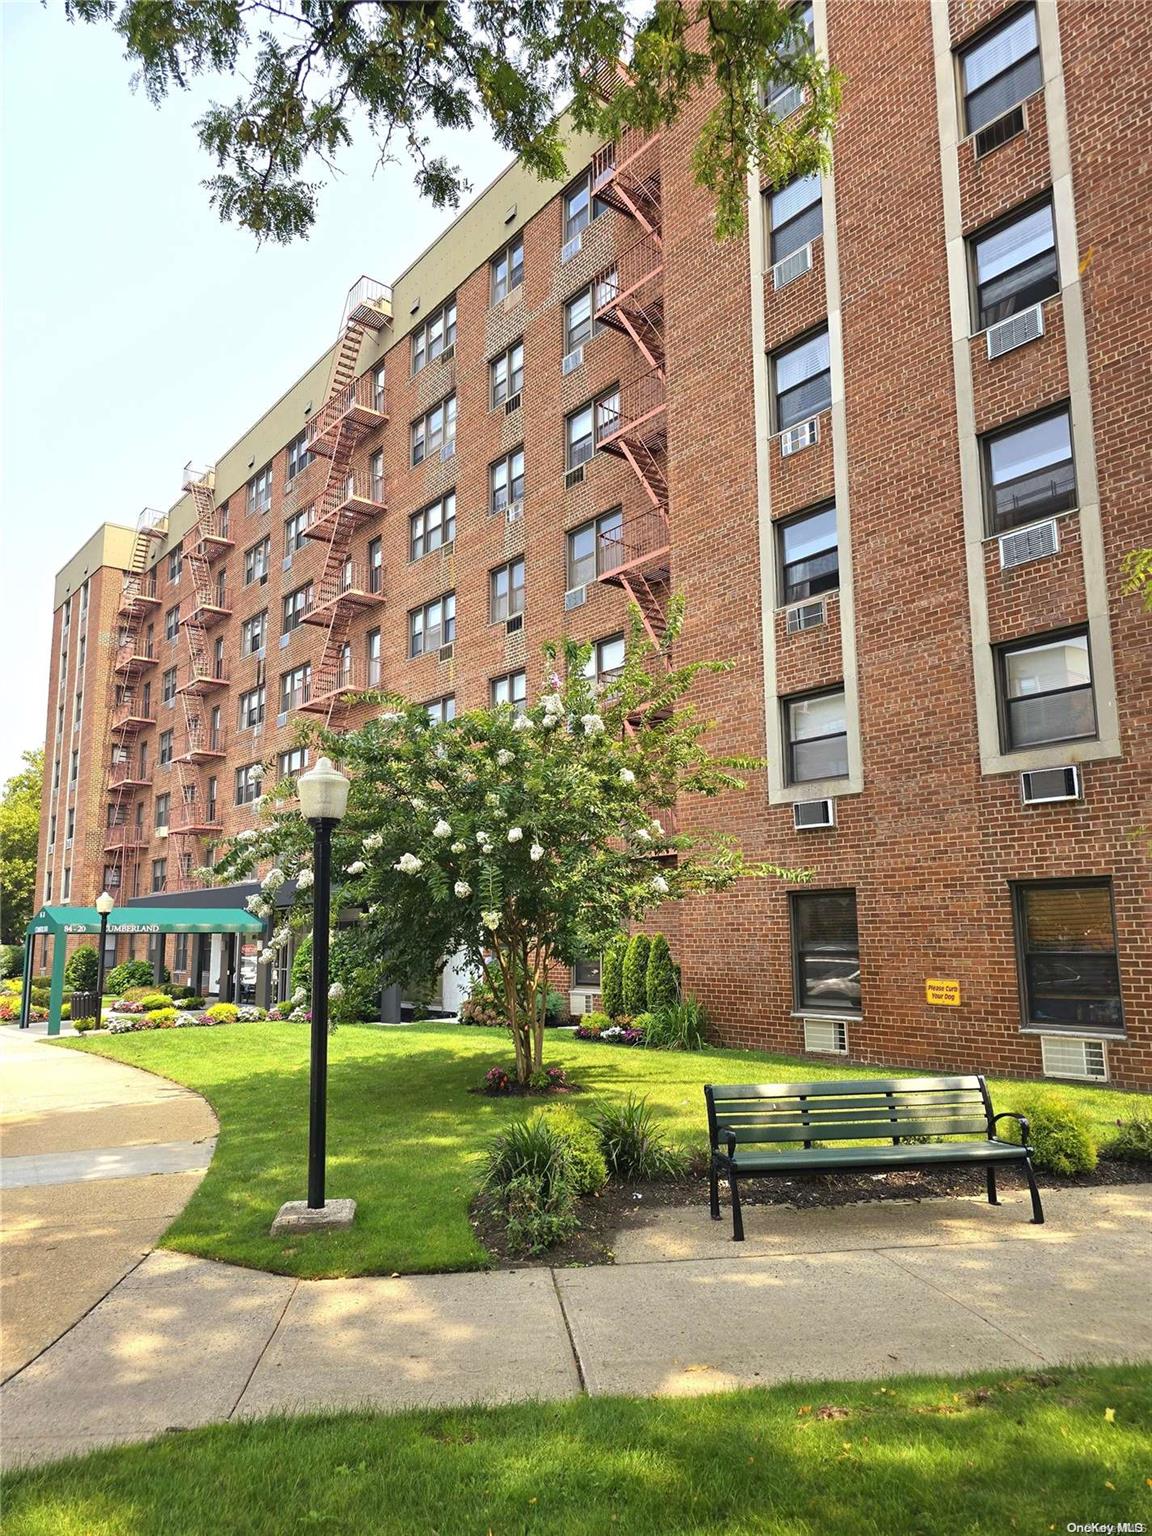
column 1000, row 68
column 802, row 380
column 1014, row 265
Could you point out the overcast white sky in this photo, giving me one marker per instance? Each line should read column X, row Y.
column 138, row 331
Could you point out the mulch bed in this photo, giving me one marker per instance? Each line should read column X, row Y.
column 626, row 1205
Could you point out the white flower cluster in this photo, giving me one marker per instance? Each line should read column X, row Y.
column 462, row 889
column 660, row 885
column 357, row 867
column 504, row 757
column 305, row 880
column 521, row 723
column 490, row 919
column 593, row 725
column 536, row 853
column 258, row 906
column 273, row 880
column 374, row 841
column 336, row 991
column 515, row 834
column 408, row 864
column 442, row 829
column 627, row 776
column 249, row 835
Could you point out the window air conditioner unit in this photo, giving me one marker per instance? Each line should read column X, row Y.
column 447, row 450
column 161, row 831
column 282, row 719
column 792, row 266
column 829, row 1036
column 448, row 353
column 787, row 102
column 284, row 639
column 513, row 403
column 514, row 511
column 572, row 360
column 448, row 548
column 1042, row 786
column 572, row 247
column 514, row 625
column 1015, row 331
column 574, row 477
column 806, row 616
column 445, row 652
column 810, row 815
column 802, row 435
column 261, row 653
column 286, row 563
column 1062, row 1057
column 1024, row 545
column 263, row 583
column 575, row 597
column 580, row 1002
column 1000, row 130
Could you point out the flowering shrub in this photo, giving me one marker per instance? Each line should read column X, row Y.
column 8, row 1010
column 190, row 1002
column 300, row 1016
column 622, row 1034
column 223, row 1013
column 250, row 1014
column 153, row 1000
column 480, row 1010
column 496, row 1080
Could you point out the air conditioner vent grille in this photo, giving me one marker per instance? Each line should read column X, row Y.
column 829, row 1036
column 806, row 616
column 1014, row 332
column 1064, row 1057
column 574, row 477
column 513, row 403
column 792, row 266
column 572, row 360
column 1040, row 786
column 809, row 815
column 802, row 435
column 999, row 131
column 575, row 597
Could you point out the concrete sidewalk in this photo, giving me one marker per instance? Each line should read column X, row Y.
column 861, row 1291
column 98, row 1159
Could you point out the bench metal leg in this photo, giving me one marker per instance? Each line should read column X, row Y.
column 1037, row 1208
column 714, row 1194
column 992, row 1197
column 737, row 1216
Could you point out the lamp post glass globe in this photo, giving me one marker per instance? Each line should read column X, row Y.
column 323, row 792
column 104, row 904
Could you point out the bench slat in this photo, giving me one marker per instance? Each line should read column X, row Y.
column 863, row 1131
column 765, row 1113
column 877, row 1101
column 868, row 1087
column 831, row 1158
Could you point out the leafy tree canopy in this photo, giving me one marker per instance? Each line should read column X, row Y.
column 19, row 840
column 521, row 839
column 314, row 72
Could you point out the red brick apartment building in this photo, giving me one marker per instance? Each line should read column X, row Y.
column 892, row 447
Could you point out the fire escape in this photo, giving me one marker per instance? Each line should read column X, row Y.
column 130, row 708
column 630, row 298
column 353, row 408
column 196, row 814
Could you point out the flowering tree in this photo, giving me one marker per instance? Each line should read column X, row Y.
column 524, row 839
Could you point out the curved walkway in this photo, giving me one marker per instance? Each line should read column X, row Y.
column 850, row 1292
column 97, row 1159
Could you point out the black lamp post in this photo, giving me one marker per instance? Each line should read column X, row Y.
column 323, row 795
column 104, row 905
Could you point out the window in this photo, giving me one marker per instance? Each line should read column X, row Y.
column 175, row 563
column 260, row 490
column 432, row 626
column 254, row 633
column 826, row 951
column 252, row 704
column 74, row 766
column 795, row 216
column 434, row 430
column 606, row 660
column 295, row 687
column 506, row 482
column 432, row 527
column 440, row 711
column 1014, row 265
column 1028, row 471
column 511, row 689
column 172, row 622
column 594, row 548
column 376, row 565
column 579, row 326
column 586, row 974
column 164, row 747
column 295, row 760
column 817, row 737
column 506, row 591
column 376, row 475
column 163, row 808
column 999, row 69
column 180, row 956
column 1046, row 691
column 298, row 456
column 580, row 207
column 248, row 783
column 1066, row 945
column 585, row 428
column 436, row 334
column 70, row 826
column 168, row 685
column 373, row 658
column 508, row 374
column 508, row 270
column 159, row 874
column 294, row 607
column 77, row 710
column 379, row 392
column 222, row 520
column 809, row 557
column 294, row 527
column 256, row 561
column 81, row 652
column 802, row 380
column 782, row 97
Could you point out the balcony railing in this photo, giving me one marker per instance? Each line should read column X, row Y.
column 329, row 684
column 128, row 775
column 139, row 592
column 201, row 744
column 133, row 715
column 134, row 656
column 209, row 608
column 357, row 408
column 206, row 678
column 642, row 543
column 351, row 585
column 126, row 837
column 642, row 414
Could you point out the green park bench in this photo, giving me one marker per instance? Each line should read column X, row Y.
column 747, row 1120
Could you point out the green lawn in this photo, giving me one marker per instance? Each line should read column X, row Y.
column 404, row 1133
column 989, row 1454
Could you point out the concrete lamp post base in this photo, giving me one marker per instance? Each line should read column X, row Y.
column 299, row 1216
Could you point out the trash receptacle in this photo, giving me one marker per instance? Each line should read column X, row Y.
column 83, row 1005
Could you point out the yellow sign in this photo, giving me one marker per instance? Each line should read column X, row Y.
column 943, row 994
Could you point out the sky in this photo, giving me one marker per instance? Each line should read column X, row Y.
column 138, row 332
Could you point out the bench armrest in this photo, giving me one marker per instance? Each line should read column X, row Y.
column 726, row 1136
column 1010, row 1114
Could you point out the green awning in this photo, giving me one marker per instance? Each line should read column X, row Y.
column 145, row 920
